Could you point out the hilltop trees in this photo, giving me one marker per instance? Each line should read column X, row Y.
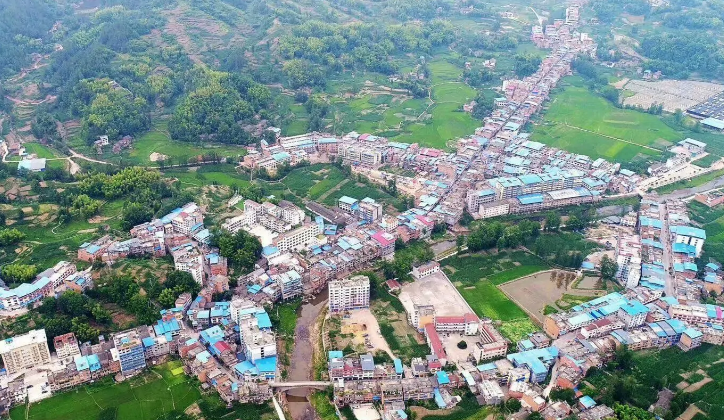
column 216, row 106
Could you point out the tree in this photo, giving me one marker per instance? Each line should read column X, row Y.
column 462, row 345
column 73, row 304
column 10, row 236
column 609, row 268
column 84, row 207
column 18, row 273
column 167, row 298
column 535, row 416
column 135, row 214
column 242, row 248
column 563, row 394
column 83, row 331
column 553, row 220
column 101, row 314
column 512, row 405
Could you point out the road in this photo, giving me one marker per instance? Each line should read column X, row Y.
column 670, row 286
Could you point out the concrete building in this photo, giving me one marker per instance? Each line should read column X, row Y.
column 130, row 351
column 690, row 236
column 494, row 209
column 349, row 294
column 25, row 351
column 423, row 270
column 491, row 392
column 66, row 346
column 301, row 237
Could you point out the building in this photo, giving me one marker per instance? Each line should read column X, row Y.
column 25, row 351
column 301, row 237
column 66, row 346
column 633, row 314
column 130, row 351
column 690, row 236
column 491, row 392
column 494, row 209
column 32, row 165
column 348, row 204
column 424, row 270
column 349, row 294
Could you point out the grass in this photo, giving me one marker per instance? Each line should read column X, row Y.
column 216, row 174
column 488, row 301
column 517, row 329
column 706, row 161
column 146, row 397
column 712, row 221
column 497, row 268
column 322, row 403
column 602, row 119
column 360, row 191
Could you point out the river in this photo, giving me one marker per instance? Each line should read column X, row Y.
column 302, row 365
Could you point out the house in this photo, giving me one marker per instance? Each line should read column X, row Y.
column 32, row 165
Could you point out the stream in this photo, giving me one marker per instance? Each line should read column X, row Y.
column 301, row 368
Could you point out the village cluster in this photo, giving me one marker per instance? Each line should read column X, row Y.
column 498, row 170
column 230, row 346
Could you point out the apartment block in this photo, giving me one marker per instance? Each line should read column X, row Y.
column 349, row 294
column 25, row 351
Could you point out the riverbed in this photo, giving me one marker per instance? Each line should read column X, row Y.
column 302, row 365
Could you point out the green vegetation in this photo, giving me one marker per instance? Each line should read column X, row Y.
column 637, row 377
column 146, row 397
column 476, row 277
column 322, row 403
column 615, row 134
column 690, row 183
column 712, row 221
column 707, row 160
column 467, row 409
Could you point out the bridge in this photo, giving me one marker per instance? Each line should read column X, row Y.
column 300, row 384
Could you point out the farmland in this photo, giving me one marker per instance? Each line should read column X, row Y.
column 698, row 374
column 146, row 398
column 603, row 130
column 477, row 278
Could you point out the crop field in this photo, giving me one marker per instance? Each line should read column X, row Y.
column 477, row 278
column 218, row 174
column 144, row 398
column 712, row 221
column 698, row 373
column 314, row 180
column 379, row 108
column 580, row 121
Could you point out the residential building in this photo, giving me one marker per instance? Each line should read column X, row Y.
column 130, row 351
column 25, row 351
column 349, row 294
column 66, row 346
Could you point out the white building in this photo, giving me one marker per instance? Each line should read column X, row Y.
column 349, row 294
column 424, row 270
column 303, row 236
column 633, row 314
column 491, row 392
column 257, row 342
column 494, row 209
column 25, row 351
column 689, row 235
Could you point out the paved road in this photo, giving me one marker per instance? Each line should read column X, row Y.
column 690, row 192
column 670, row 287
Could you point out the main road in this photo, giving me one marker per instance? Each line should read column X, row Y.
column 670, row 285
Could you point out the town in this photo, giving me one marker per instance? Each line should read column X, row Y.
column 652, row 284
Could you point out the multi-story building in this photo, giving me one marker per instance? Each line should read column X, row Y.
column 423, row 270
column 130, row 351
column 348, row 204
column 475, row 199
column 301, row 237
column 257, row 339
column 633, row 314
column 66, row 346
column 370, row 210
column 25, row 351
column 690, row 236
column 494, row 209
column 349, row 294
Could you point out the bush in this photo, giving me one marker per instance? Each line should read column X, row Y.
column 462, row 345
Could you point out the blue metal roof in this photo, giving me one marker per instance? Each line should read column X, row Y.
column 535, row 198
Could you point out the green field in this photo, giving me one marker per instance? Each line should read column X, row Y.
column 580, row 121
column 477, row 276
column 216, row 174
column 144, row 398
column 712, row 221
